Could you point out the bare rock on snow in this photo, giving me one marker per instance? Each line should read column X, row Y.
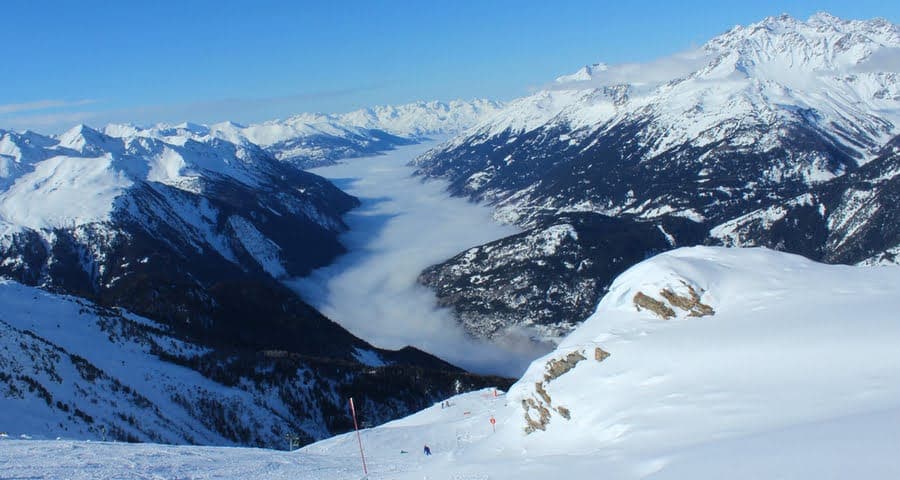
column 641, row 300
column 542, row 403
column 690, row 303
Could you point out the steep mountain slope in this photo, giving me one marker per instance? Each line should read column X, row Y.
column 194, row 235
column 169, row 231
column 851, row 219
column 543, row 281
column 762, row 110
column 756, row 118
column 311, row 140
column 72, row 369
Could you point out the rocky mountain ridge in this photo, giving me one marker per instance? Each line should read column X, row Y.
column 751, row 122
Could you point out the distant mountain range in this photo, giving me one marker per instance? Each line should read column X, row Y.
column 782, row 133
column 315, row 139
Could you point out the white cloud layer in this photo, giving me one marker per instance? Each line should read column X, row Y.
column 8, row 108
column 648, row 73
column 404, row 226
column 883, row 60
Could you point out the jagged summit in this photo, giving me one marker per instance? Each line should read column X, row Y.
column 822, row 43
column 586, row 73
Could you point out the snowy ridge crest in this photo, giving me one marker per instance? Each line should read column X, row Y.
column 314, row 139
column 798, row 360
column 76, row 178
column 626, row 351
column 846, row 71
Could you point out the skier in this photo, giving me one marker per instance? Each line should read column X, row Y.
column 427, row 451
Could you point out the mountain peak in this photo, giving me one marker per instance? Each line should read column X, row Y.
column 823, row 43
column 584, row 74
column 825, row 18
column 78, row 130
column 84, row 139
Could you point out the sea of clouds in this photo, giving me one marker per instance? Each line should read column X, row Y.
column 404, row 225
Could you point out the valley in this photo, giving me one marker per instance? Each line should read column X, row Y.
column 404, row 225
column 681, row 264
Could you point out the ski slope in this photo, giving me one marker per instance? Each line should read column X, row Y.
column 794, row 375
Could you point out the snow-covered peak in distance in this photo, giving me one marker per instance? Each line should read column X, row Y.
column 423, row 118
column 586, row 73
column 74, row 178
column 843, row 72
column 411, row 120
column 18, row 151
column 311, row 139
column 86, row 140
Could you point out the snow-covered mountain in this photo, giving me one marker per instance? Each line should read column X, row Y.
column 93, row 213
column 544, row 281
column 414, row 120
column 314, row 139
column 776, row 104
column 756, row 118
column 192, row 234
column 700, row 363
column 745, row 363
column 73, row 369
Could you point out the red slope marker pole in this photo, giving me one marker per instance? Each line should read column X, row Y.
column 358, row 438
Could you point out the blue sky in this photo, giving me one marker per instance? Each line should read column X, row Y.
column 97, row 61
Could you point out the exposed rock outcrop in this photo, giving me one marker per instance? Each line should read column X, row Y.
column 641, row 300
column 689, row 303
column 541, row 404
